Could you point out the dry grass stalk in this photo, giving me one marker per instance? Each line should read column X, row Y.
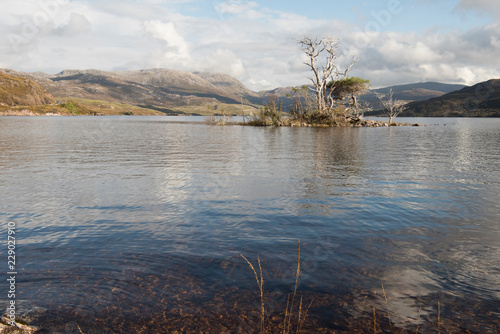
column 260, row 283
column 286, row 313
column 387, row 302
column 301, row 321
column 289, row 313
column 418, row 320
column 300, row 308
column 385, row 296
column 439, row 318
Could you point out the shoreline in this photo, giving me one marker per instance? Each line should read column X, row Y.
column 355, row 124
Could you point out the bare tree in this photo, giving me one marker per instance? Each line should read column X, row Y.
column 392, row 107
column 325, row 71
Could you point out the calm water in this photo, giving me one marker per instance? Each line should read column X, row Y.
column 122, row 220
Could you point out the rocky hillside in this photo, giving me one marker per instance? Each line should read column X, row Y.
column 228, row 84
column 480, row 100
column 15, row 91
column 158, row 88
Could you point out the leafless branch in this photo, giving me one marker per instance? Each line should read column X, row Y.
column 323, row 72
column 392, row 107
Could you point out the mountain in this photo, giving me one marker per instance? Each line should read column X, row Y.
column 230, row 85
column 480, row 100
column 283, row 93
column 409, row 93
column 421, row 90
column 167, row 91
column 15, row 91
column 159, row 89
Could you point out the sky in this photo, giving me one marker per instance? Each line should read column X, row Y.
column 394, row 41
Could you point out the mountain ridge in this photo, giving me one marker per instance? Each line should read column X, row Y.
column 479, row 100
column 173, row 91
column 164, row 88
column 419, row 91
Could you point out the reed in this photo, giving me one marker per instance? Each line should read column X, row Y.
column 288, row 320
column 260, row 283
column 418, row 320
column 387, row 302
column 439, row 318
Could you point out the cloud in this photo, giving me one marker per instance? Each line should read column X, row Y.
column 247, row 40
column 236, row 7
column 453, row 56
column 177, row 49
column 77, row 24
column 491, row 7
column 399, row 52
column 224, row 61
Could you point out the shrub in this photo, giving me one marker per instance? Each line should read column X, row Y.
column 70, row 106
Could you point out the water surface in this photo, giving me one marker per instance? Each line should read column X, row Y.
column 135, row 221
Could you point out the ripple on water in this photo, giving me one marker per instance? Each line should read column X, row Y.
column 122, row 216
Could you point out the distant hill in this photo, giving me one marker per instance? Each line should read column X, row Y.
column 15, row 91
column 409, row 93
column 283, row 93
column 230, row 85
column 480, row 100
column 159, row 89
column 424, row 87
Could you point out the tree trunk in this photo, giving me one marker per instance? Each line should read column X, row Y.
column 355, row 104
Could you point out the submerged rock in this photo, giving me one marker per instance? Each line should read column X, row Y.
column 19, row 327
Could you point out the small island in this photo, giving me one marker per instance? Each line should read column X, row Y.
column 331, row 100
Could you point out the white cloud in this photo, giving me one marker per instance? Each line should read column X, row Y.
column 253, row 43
column 224, row 61
column 77, row 24
column 177, row 49
column 467, row 57
column 402, row 52
column 236, row 7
